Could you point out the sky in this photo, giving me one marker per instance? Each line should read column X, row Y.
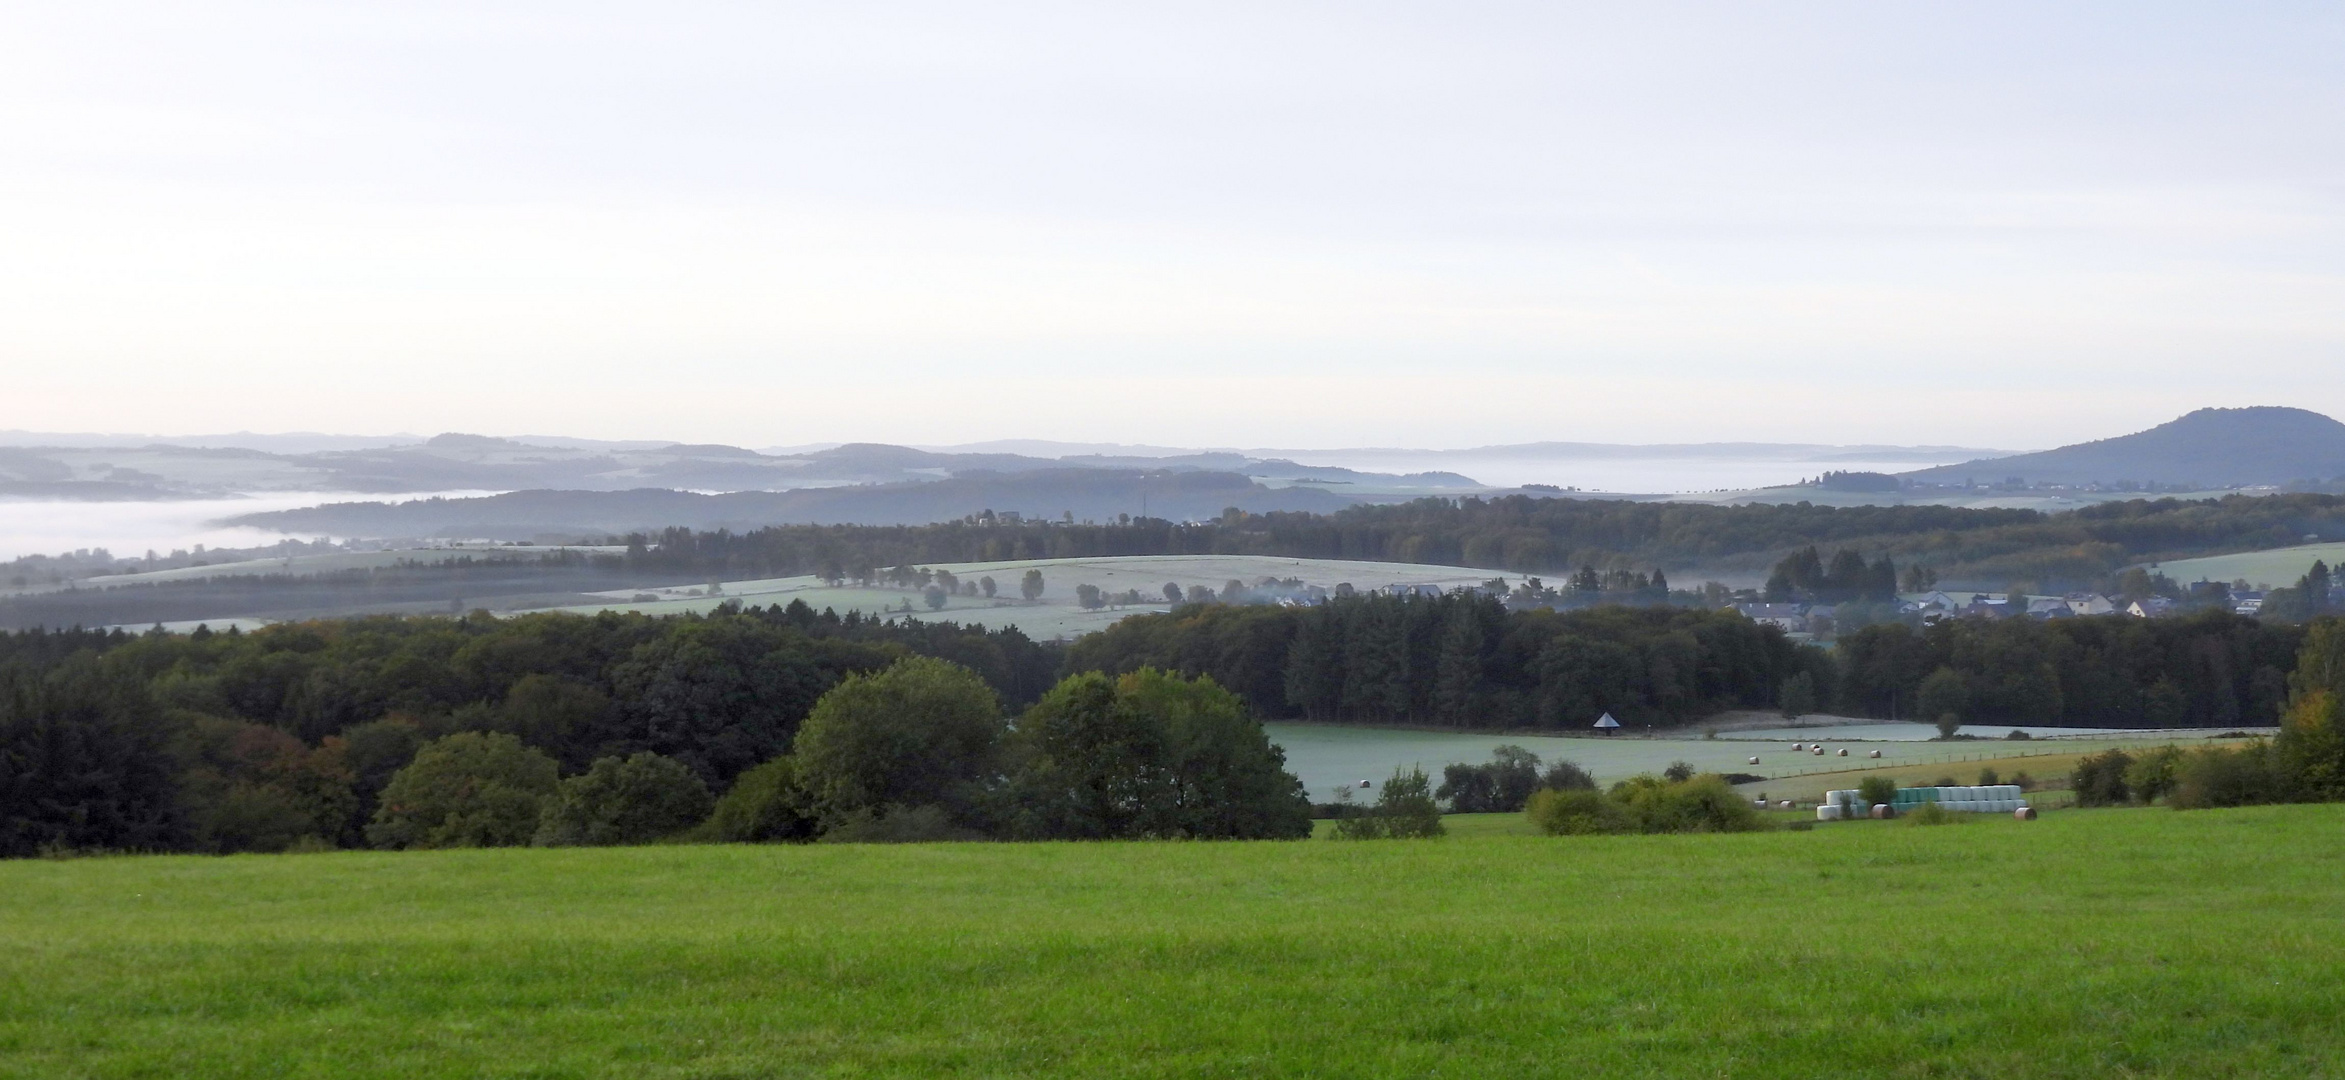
column 1297, row 225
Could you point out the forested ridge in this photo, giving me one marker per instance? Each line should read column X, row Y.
column 1993, row 550
column 1990, row 548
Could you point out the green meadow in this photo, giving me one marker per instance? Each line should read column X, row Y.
column 2088, row 943
column 2277, row 567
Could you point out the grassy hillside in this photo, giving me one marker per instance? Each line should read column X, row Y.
column 2089, row 943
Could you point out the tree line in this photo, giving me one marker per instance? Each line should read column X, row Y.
column 2207, row 669
column 772, row 723
column 566, row 728
column 1462, row 660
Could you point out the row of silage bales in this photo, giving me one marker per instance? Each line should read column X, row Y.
column 1980, row 799
column 1846, row 804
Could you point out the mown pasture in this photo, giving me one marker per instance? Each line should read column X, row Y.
column 2278, row 567
column 2089, row 943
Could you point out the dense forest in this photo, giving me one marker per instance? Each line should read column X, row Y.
column 2209, row 669
column 1463, row 660
column 1468, row 662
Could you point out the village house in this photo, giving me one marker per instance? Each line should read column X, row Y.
column 2085, row 603
column 1790, row 618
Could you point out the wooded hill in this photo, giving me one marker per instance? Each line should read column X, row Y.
column 1989, row 549
column 2209, row 448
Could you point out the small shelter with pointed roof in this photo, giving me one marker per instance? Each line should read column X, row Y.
column 1607, row 724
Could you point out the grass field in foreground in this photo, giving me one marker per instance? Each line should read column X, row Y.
column 2089, row 943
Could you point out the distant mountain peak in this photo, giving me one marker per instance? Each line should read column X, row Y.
column 2205, row 448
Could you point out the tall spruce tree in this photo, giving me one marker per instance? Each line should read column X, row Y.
column 1457, row 674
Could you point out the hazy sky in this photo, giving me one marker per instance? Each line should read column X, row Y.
column 1245, row 224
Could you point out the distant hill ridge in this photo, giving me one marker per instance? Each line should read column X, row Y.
column 2209, row 448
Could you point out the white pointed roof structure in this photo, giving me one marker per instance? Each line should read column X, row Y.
column 1606, row 721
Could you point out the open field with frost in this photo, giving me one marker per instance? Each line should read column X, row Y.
column 1056, row 614
column 1328, row 756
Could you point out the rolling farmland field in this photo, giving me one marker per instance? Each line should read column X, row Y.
column 1056, row 614
column 2279, row 567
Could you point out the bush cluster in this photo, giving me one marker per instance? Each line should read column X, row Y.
column 1646, row 804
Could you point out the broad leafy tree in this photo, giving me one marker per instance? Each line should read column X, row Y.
column 922, row 732
column 470, row 789
column 1149, row 754
column 633, row 800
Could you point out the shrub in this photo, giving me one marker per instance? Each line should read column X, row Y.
column 1404, row 810
column 1701, row 804
column 470, row 789
column 1501, row 787
column 2218, row 776
column 2099, row 780
column 1988, row 777
column 2152, row 774
column 2023, row 780
column 1678, row 772
column 1577, row 812
column 633, row 800
column 1877, row 789
column 2016, row 735
column 1931, row 813
column 1948, row 724
column 2311, row 746
column 764, row 806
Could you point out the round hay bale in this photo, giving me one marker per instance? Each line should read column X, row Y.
column 1875, row 753
column 1843, row 751
column 1882, row 811
column 1754, row 761
column 1784, row 805
column 2025, row 813
column 1799, row 746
